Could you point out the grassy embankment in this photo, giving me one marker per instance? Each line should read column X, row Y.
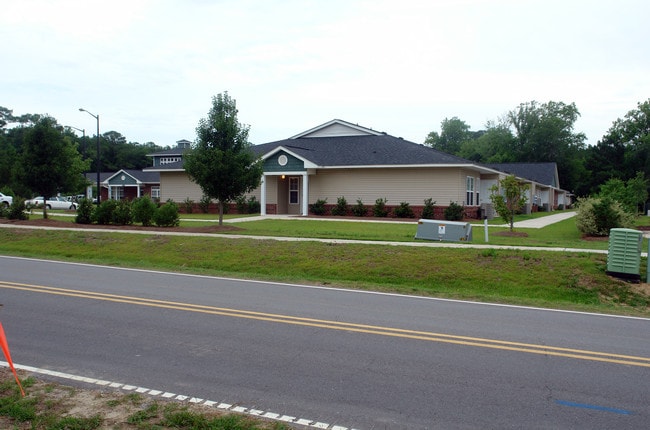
column 564, row 280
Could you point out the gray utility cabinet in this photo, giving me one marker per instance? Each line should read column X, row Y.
column 453, row 231
column 624, row 253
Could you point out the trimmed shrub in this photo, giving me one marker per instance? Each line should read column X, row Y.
column 253, row 205
column 240, row 203
column 122, row 213
column 143, row 210
column 454, row 212
column 167, row 215
column 103, row 214
column 404, row 211
column 188, row 205
column 85, row 212
column 595, row 217
column 16, row 210
column 379, row 210
column 318, row 208
column 204, row 204
column 428, row 211
column 359, row 209
column 341, row 208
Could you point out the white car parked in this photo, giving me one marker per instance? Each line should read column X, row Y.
column 51, row 203
column 6, row 200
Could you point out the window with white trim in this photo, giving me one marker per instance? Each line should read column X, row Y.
column 118, row 193
column 169, row 160
column 155, row 192
column 470, row 191
column 294, row 191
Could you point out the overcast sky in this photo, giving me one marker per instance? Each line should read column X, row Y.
column 149, row 68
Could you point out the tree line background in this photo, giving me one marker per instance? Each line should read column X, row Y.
column 544, row 132
column 531, row 132
column 17, row 135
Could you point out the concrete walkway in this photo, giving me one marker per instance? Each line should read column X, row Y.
column 538, row 223
column 530, row 223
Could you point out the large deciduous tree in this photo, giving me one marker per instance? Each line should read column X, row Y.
column 50, row 161
column 221, row 161
column 624, row 150
column 453, row 132
column 545, row 133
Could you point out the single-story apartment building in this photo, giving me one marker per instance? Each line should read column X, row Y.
column 125, row 184
column 341, row 159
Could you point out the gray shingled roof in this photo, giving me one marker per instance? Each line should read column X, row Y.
column 361, row 151
column 542, row 173
column 142, row 176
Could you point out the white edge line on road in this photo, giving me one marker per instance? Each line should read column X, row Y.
column 344, row 290
column 181, row 398
column 316, row 287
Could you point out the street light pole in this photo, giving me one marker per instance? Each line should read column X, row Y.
column 99, row 192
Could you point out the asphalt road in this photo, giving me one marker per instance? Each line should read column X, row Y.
column 345, row 358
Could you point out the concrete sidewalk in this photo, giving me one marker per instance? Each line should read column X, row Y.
column 531, row 223
column 544, row 221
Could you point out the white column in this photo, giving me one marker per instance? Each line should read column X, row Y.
column 305, row 194
column 263, row 196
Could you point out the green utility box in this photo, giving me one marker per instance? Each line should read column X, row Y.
column 624, row 253
column 454, row 231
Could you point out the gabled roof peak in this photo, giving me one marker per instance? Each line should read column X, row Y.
column 337, row 128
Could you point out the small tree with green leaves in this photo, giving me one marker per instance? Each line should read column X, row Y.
column 221, row 161
column 50, row 162
column 509, row 197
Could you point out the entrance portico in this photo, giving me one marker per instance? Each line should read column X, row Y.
column 285, row 183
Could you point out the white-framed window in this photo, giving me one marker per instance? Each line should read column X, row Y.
column 118, row 193
column 169, row 160
column 294, row 190
column 469, row 201
column 155, row 192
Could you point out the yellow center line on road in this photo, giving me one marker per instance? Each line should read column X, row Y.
column 344, row 326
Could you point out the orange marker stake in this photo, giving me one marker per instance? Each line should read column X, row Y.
column 5, row 350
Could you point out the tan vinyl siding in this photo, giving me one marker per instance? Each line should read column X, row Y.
column 178, row 187
column 411, row 185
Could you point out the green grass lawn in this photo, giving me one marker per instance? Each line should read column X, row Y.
column 566, row 280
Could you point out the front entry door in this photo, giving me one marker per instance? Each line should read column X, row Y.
column 293, row 207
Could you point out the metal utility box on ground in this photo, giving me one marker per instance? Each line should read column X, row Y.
column 624, row 253
column 454, row 231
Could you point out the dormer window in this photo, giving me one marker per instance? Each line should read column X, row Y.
column 169, row 160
